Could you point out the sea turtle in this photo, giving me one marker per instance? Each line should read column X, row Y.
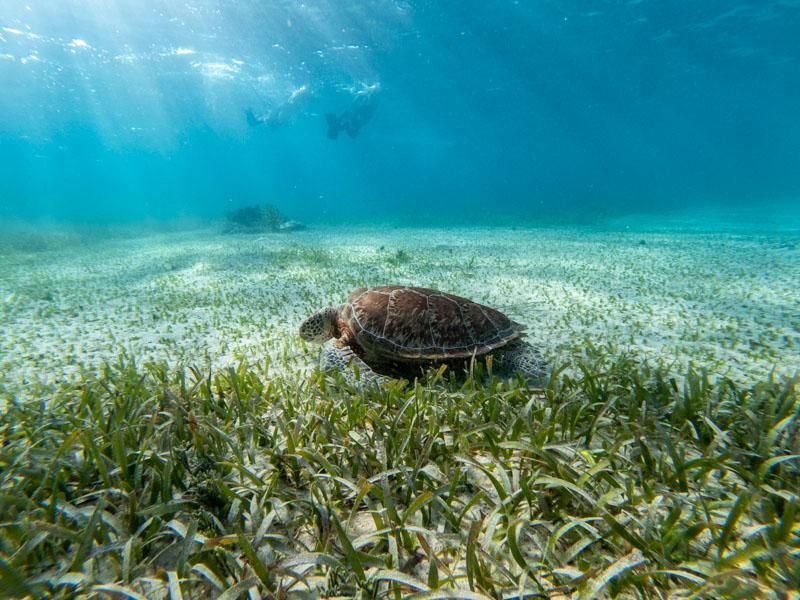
column 399, row 328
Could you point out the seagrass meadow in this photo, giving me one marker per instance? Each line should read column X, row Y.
column 166, row 434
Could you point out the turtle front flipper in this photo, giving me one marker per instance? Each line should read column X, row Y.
column 340, row 357
column 523, row 358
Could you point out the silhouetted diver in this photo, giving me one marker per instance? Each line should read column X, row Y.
column 356, row 116
column 281, row 114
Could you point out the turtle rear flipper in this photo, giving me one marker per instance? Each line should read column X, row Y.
column 522, row 357
column 336, row 356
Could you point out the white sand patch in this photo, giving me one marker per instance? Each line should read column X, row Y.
column 727, row 303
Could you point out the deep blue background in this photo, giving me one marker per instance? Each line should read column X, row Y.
column 488, row 110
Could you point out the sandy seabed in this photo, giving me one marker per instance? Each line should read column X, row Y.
column 727, row 302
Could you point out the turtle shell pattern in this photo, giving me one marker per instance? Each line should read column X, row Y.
column 411, row 323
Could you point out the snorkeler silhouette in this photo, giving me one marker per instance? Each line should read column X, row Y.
column 357, row 115
column 282, row 113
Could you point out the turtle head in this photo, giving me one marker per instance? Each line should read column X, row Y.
column 321, row 326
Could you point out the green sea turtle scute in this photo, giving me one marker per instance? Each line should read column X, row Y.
column 398, row 328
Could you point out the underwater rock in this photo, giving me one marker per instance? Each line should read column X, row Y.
column 258, row 219
column 289, row 226
column 246, row 219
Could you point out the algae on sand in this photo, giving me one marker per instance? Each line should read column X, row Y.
column 716, row 302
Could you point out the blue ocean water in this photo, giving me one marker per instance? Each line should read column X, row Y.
column 468, row 111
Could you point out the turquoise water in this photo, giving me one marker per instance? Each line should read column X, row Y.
column 463, row 112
